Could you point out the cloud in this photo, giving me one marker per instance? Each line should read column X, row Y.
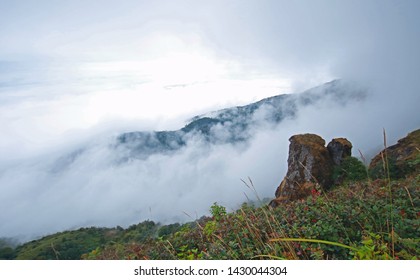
column 70, row 84
column 95, row 188
column 98, row 183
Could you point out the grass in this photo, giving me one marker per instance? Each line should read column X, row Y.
column 352, row 221
column 349, row 222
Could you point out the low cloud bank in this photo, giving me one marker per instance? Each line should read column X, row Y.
column 89, row 185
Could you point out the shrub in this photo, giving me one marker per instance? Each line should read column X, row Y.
column 351, row 169
column 7, row 253
column 360, row 222
column 217, row 211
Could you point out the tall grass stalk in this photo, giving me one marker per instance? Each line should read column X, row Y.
column 270, row 219
column 388, row 180
column 366, row 165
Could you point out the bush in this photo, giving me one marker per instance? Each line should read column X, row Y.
column 7, row 253
column 168, row 229
column 351, row 169
column 397, row 169
column 345, row 223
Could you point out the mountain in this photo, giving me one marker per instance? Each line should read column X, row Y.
column 160, row 175
column 235, row 124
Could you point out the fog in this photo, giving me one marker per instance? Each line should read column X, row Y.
column 69, row 85
column 87, row 184
column 97, row 190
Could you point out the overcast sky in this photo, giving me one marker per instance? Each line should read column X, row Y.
column 73, row 69
column 71, row 65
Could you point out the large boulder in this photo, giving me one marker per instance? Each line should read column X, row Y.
column 309, row 165
column 339, row 149
column 401, row 159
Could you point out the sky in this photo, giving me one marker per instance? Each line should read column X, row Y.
column 73, row 72
column 70, row 67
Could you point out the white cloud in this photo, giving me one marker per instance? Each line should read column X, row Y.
column 68, row 80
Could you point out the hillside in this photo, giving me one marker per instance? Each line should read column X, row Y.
column 226, row 126
column 232, row 125
column 369, row 214
column 125, row 174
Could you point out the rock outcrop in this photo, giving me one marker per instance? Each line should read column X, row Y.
column 339, row 148
column 402, row 158
column 310, row 166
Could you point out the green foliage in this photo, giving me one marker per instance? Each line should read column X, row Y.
column 217, row 211
column 351, row 169
column 67, row 245
column 167, row 230
column 380, row 171
column 210, row 228
column 372, row 248
column 7, row 253
column 353, row 221
column 140, row 232
column 189, row 254
column 396, row 170
column 7, row 249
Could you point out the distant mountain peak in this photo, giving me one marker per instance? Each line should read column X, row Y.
column 231, row 125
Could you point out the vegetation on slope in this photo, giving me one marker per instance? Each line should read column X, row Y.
column 356, row 216
column 357, row 219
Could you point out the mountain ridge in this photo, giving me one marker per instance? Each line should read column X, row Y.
column 110, row 179
column 234, row 124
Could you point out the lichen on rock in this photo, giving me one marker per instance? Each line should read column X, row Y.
column 310, row 166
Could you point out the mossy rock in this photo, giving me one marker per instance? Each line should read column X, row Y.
column 399, row 160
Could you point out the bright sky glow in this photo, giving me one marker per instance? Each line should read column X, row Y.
column 75, row 66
